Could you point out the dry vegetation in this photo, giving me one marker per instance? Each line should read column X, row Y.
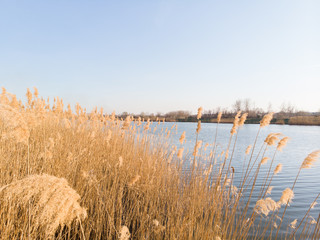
column 305, row 120
column 69, row 175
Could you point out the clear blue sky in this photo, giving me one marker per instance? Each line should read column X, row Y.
column 159, row 56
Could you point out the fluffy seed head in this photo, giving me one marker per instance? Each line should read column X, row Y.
column 282, row 143
column 266, row 119
column 16, row 126
column 313, row 205
column 219, row 117
column 235, row 123
column 199, row 113
column 29, row 96
column 196, row 148
column 277, row 169
column 272, row 138
column 54, row 203
column 264, row 160
column 180, row 152
column 264, row 206
column 268, row 192
column 183, row 136
column 293, row 223
column 120, row 163
column 243, row 119
column 126, row 123
column 286, row 197
column 248, row 149
column 124, row 233
column 310, row 159
column 134, row 180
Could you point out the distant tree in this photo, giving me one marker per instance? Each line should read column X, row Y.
column 237, row 106
column 247, row 105
column 269, row 109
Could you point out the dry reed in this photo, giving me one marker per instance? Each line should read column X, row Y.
column 131, row 183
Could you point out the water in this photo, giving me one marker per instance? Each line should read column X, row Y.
column 303, row 140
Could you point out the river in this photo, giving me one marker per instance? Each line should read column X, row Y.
column 303, row 140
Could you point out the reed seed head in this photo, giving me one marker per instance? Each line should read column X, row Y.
column 264, row 206
column 264, row 160
column 134, row 180
column 313, row 205
column 269, row 190
column 54, row 203
column 287, row 196
column 183, row 136
column 219, row 117
column 310, row 159
column 124, row 233
column 282, row 143
column 14, row 121
column 266, row 119
column 248, row 149
column 278, row 169
column 235, row 123
column 272, row 138
column 180, row 152
column 199, row 113
column 243, row 119
column 293, row 224
column 196, row 148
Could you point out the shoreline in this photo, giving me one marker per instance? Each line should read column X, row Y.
column 248, row 121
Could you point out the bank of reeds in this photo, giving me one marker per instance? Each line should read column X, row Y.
column 305, row 120
column 76, row 175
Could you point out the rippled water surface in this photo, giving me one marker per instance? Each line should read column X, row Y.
column 303, row 140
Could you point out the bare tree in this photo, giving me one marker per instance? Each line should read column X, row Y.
column 237, row 105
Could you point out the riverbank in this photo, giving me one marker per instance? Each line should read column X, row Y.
column 297, row 120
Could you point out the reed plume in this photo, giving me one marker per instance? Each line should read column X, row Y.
column 264, row 160
column 294, row 223
column 180, row 152
column 310, row 159
column 282, row 143
column 54, row 203
column 199, row 113
column 287, row 196
column 266, row 119
column 134, row 180
column 183, row 136
column 196, row 148
column 235, row 123
column 272, row 138
column 15, row 124
column 219, row 117
column 313, row 205
column 248, row 149
column 277, row 169
column 124, row 233
column 264, row 206
column 243, row 119
column 268, row 192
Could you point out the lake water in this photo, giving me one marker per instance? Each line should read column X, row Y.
column 303, row 140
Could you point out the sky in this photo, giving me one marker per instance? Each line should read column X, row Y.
column 161, row 56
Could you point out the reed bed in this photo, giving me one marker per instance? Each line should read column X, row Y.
column 69, row 174
column 305, row 120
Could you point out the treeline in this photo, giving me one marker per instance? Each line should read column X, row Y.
column 288, row 114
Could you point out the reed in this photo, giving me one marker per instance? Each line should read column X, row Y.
column 77, row 175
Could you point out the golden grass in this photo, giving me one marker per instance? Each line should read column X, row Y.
column 81, row 175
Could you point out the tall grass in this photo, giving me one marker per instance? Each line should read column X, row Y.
column 79, row 175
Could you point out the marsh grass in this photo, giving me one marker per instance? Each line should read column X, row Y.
column 127, row 181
